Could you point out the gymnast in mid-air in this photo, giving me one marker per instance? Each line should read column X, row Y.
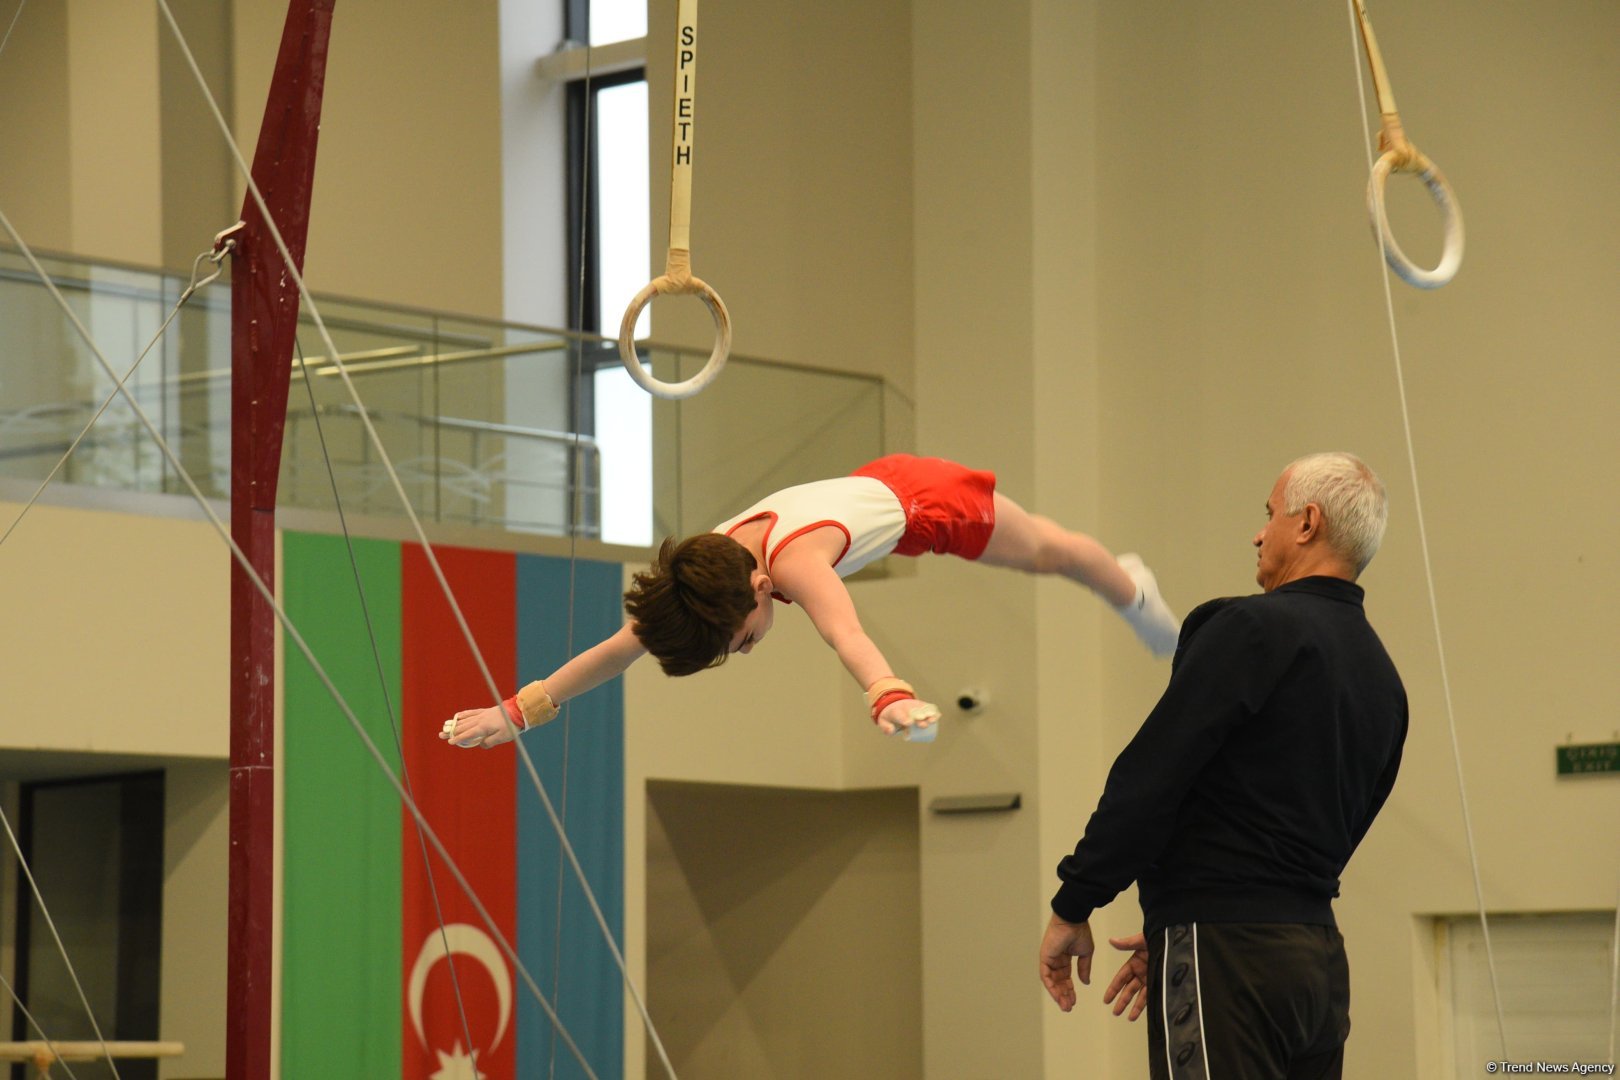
column 714, row 594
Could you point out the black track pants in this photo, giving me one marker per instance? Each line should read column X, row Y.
column 1247, row 1001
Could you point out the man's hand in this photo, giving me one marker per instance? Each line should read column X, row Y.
column 896, row 716
column 479, row 727
column 1061, row 941
column 1130, row 984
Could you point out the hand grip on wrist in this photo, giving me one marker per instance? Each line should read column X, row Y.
column 885, row 692
column 531, row 706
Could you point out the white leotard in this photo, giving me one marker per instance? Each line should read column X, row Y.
column 863, row 507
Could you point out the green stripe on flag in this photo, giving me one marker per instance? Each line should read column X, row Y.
column 340, row 986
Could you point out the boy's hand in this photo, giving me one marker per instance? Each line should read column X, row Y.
column 478, row 727
column 896, row 716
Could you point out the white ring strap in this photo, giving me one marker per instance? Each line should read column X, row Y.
column 677, row 277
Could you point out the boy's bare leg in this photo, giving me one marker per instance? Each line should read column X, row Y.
column 1039, row 545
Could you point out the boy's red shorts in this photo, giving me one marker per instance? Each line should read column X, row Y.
column 950, row 509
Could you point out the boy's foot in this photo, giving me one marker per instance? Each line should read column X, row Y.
column 1148, row 614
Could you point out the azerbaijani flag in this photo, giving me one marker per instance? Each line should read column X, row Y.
column 369, row 988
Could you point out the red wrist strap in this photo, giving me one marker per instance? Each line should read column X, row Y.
column 887, row 698
column 514, row 713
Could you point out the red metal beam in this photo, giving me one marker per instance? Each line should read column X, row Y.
column 264, row 319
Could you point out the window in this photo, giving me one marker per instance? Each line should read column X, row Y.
column 609, row 249
column 608, row 21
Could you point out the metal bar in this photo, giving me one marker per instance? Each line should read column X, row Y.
column 453, row 423
column 264, row 321
column 434, row 359
column 88, row 1051
column 457, row 424
column 391, row 358
column 217, row 374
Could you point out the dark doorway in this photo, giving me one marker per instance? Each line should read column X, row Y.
column 95, row 848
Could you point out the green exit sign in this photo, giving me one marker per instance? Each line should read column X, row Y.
column 1589, row 758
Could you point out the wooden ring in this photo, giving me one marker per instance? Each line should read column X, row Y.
column 1444, row 197
column 717, row 358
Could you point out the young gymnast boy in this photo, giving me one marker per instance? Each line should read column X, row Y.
column 712, row 595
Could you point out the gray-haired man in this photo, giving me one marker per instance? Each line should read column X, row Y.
column 1241, row 799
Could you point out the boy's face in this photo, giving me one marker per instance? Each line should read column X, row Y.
column 758, row 623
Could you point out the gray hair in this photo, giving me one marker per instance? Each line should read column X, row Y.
column 1352, row 499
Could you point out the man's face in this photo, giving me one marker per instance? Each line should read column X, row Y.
column 1275, row 542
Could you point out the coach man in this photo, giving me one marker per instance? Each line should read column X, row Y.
column 1239, row 802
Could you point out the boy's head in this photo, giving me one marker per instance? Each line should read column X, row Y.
column 691, row 606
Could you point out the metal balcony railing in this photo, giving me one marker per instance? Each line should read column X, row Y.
column 489, row 424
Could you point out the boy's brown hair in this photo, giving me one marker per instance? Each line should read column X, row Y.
column 692, row 601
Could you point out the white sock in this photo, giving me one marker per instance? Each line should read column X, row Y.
column 1148, row 614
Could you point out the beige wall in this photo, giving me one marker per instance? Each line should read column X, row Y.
column 801, row 221
column 1077, row 647
column 1244, row 324
column 123, row 655
column 200, row 194
column 124, row 162
column 113, row 102
column 969, row 271
column 107, row 155
column 407, row 199
column 1148, row 287
column 801, row 200
column 196, row 850
column 954, row 622
column 1118, row 253
column 124, row 646
column 787, row 934
column 34, row 114
column 79, row 125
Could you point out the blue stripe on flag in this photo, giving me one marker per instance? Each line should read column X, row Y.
column 580, row 977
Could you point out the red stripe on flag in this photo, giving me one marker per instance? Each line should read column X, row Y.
column 470, row 799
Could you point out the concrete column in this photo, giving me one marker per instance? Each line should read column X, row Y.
column 974, row 259
column 113, row 117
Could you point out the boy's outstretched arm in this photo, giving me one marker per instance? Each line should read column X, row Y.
column 815, row 586
column 495, row 725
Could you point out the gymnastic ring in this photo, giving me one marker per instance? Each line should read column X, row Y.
column 717, row 358
column 1444, row 197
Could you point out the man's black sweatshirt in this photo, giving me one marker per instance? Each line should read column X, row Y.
column 1259, row 771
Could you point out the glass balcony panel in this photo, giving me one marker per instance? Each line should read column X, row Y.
column 53, row 385
column 757, row 428
column 488, row 424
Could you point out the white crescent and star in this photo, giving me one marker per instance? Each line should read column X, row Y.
column 470, row 941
